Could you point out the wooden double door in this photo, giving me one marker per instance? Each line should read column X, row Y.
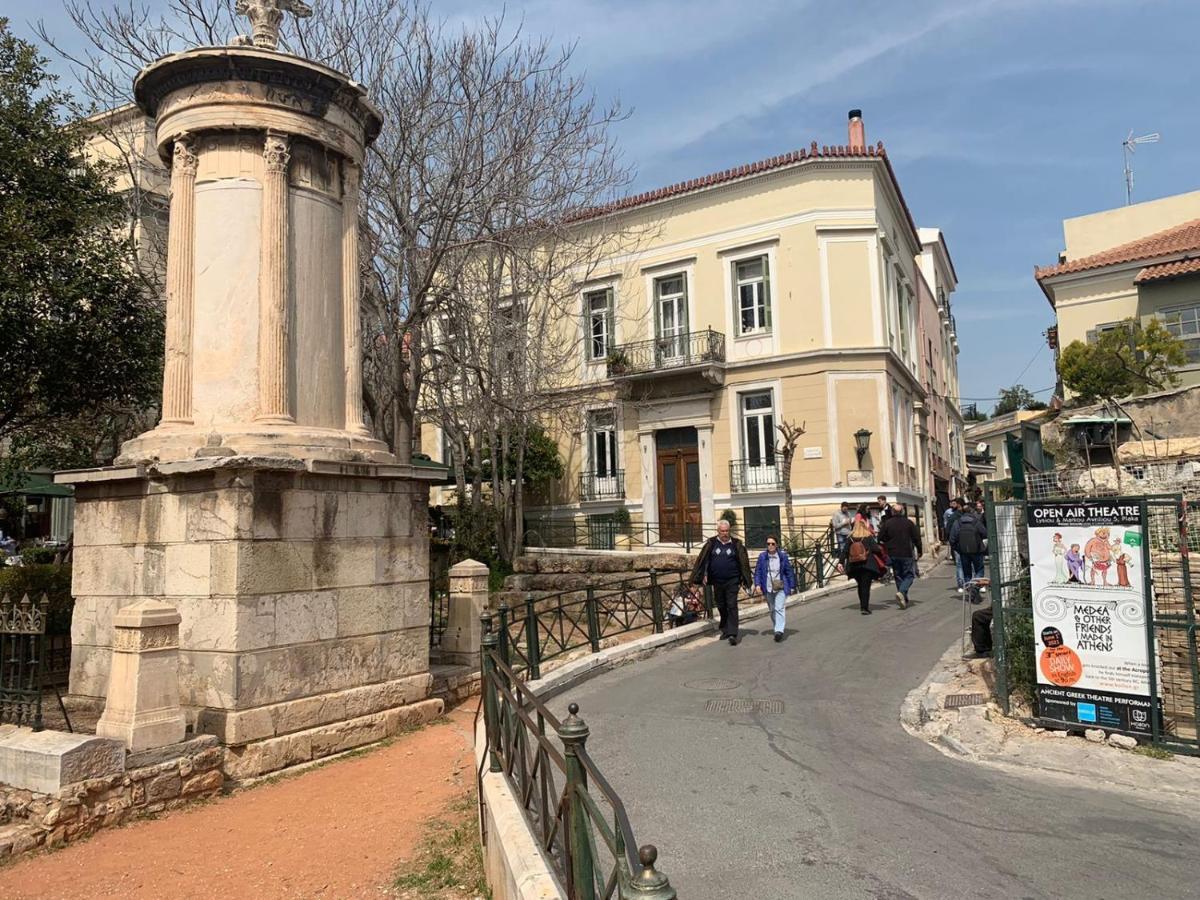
column 679, row 513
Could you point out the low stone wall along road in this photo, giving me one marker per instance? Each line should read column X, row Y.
column 828, row 797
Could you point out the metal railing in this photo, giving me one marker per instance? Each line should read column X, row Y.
column 691, row 348
column 439, row 616
column 571, row 808
column 23, row 662
column 607, row 486
column 747, row 476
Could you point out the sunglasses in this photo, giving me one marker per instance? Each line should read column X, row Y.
column 770, row 543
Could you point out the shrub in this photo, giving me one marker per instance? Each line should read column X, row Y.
column 729, row 516
column 53, row 581
column 39, row 556
column 621, row 516
column 1021, row 658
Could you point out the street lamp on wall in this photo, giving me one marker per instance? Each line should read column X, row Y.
column 862, row 443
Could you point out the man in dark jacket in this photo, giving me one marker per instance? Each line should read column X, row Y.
column 724, row 564
column 900, row 538
column 966, row 537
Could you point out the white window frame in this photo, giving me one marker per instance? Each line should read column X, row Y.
column 1191, row 339
column 766, row 438
column 765, row 342
column 609, row 434
column 677, row 341
column 762, row 306
column 609, row 319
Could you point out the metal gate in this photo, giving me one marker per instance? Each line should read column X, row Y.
column 1171, row 640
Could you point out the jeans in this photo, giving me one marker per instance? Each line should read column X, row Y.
column 842, row 541
column 958, row 568
column 981, row 630
column 972, row 565
column 905, row 570
column 776, row 603
column 725, row 596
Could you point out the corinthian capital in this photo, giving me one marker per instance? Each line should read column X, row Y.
column 183, row 156
column 276, row 153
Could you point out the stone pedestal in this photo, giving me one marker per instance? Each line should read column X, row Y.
column 302, row 587
column 468, row 600
column 142, row 706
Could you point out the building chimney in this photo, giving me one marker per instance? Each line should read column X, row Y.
column 858, row 132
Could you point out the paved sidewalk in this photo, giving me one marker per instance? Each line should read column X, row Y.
column 832, row 798
column 336, row 831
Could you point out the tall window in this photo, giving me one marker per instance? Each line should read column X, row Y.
column 905, row 316
column 602, row 442
column 599, row 306
column 1184, row 323
column 752, row 286
column 671, row 314
column 758, row 428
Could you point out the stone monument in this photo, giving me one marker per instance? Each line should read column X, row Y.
column 291, row 542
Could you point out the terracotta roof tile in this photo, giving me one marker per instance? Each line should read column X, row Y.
column 1167, row 270
column 796, row 157
column 1183, row 238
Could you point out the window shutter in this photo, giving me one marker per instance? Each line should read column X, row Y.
column 684, row 318
column 1091, row 336
column 766, row 260
column 611, row 326
column 736, row 299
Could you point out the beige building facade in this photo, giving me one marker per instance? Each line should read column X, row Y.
column 783, row 291
column 1137, row 262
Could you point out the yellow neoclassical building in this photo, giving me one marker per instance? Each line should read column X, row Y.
column 781, row 291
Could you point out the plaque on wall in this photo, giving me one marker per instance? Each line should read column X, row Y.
column 860, row 477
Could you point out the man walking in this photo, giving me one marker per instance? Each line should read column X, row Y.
column 967, row 537
column 841, row 523
column 900, row 538
column 949, row 517
column 724, row 564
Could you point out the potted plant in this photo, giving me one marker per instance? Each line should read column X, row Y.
column 618, row 362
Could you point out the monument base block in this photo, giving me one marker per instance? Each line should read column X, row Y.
column 301, row 586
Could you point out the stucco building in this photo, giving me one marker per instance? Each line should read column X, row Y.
column 1136, row 262
column 794, row 289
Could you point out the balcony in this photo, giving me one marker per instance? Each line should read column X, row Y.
column 750, row 476
column 702, row 351
column 602, row 486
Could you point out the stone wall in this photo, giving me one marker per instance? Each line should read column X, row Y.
column 153, row 781
column 298, row 590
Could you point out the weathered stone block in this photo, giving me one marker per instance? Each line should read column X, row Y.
column 46, row 761
column 204, row 783
column 305, row 616
column 189, row 570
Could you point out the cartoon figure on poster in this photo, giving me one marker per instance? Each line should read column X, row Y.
column 1089, row 613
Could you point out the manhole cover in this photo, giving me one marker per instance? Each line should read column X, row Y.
column 954, row 701
column 741, row 705
column 712, row 684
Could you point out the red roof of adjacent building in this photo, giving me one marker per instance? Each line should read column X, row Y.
column 1164, row 271
column 1183, row 238
column 796, row 157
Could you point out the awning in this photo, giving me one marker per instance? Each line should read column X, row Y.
column 1098, row 420
column 36, row 484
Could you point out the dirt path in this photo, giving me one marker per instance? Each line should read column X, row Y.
column 337, row 831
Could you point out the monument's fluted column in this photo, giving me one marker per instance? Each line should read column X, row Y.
column 351, row 326
column 272, row 299
column 181, row 285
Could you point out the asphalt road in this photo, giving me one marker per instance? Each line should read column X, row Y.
column 833, row 798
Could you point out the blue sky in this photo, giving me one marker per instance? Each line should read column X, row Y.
column 1001, row 117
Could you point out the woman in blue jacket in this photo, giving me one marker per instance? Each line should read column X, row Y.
column 775, row 578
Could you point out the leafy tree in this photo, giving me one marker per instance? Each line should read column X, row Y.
column 1014, row 398
column 78, row 338
column 1123, row 362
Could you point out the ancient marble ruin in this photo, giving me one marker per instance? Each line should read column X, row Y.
column 291, row 542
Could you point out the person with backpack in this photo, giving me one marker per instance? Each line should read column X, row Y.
column 724, row 563
column 953, row 511
column 862, row 561
column 966, row 537
column 900, row 536
column 775, row 578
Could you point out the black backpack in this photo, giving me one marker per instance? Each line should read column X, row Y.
column 968, row 534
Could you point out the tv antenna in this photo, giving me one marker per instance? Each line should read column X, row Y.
column 1130, row 144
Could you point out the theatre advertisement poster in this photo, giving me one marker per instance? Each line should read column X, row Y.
column 1089, row 613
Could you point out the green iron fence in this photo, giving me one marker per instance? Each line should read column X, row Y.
column 603, row 532
column 1171, row 633
column 572, row 810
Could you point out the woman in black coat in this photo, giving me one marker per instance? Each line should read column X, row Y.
column 862, row 570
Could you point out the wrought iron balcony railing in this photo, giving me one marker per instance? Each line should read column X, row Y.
column 678, row 351
column 746, row 476
column 602, row 486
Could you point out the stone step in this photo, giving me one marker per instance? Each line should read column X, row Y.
column 454, row 684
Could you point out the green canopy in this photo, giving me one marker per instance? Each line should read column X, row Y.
column 36, row 484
